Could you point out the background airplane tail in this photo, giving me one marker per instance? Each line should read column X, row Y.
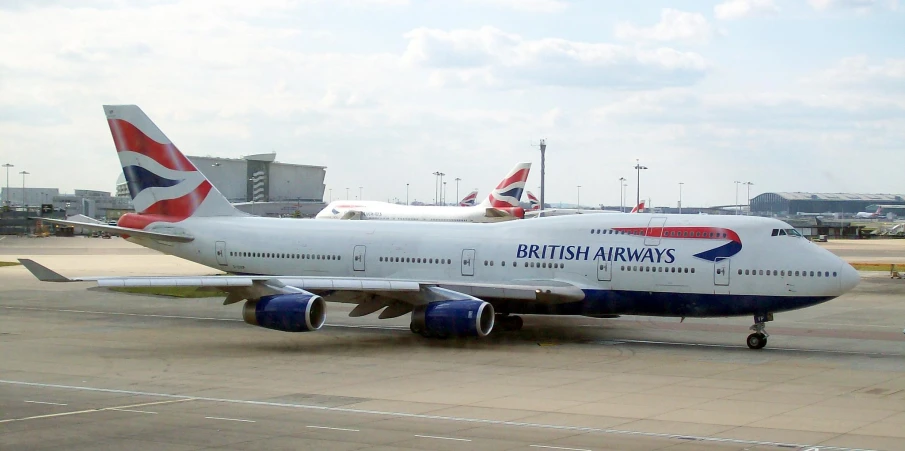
column 164, row 184
column 509, row 191
column 469, row 200
column 638, row 208
column 533, row 203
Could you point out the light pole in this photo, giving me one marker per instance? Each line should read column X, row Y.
column 624, row 190
column 442, row 186
column 622, row 194
column 638, row 168
column 406, row 193
column 543, row 150
column 24, row 204
column 579, row 196
column 436, row 186
column 7, row 166
column 360, row 196
column 444, row 194
column 457, row 187
column 347, row 193
column 331, row 194
column 749, row 196
column 736, row 196
column 680, row 197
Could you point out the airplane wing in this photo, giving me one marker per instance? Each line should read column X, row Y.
column 407, row 292
column 352, row 214
column 122, row 230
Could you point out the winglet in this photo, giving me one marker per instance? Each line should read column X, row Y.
column 43, row 273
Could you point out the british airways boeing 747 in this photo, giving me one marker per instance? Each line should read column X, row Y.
column 458, row 278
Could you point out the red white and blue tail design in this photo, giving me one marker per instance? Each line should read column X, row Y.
column 533, row 203
column 164, row 185
column 638, row 208
column 509, row 191
column 469, row 200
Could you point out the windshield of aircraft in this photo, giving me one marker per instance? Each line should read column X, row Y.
column 786, row 232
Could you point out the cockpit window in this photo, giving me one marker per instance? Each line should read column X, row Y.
column 793, row 232
column 775, row 232
column 782, row 232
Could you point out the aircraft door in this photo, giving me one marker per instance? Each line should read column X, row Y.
column 468, row 262
column 220, row 249
column 604, row 271
column 654, row 231
column 721, row 271
column 358, row 258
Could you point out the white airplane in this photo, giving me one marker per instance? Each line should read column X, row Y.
column 535, row 212
column 469, row 200
column 457, row 278
column 869, row 215
column 501, row 205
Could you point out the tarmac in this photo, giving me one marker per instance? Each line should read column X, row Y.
column 85, row 368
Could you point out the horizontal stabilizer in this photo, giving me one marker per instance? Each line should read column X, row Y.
column 43, row 273
column 122, row 230
column 496, row 213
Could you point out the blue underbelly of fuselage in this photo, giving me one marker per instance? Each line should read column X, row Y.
column 647, row 303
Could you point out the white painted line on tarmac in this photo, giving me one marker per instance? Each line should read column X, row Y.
column 203, row 318
column 423, row 416
column 559, row 447
column 231, row 419
column 616, row 341
column 443, row 438
column 63, row 414
column 333, row 429
column 134, row 411
column 45, row 402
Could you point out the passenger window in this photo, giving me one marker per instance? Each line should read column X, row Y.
column 491, row 262
column 796, row 273
column 740, row 272
column 692, row 270
column 502, row 263
column 746, row 272
column 774, row 272
column 834, row 273
column 819, row 274
column 782, row 273
column 526, row 264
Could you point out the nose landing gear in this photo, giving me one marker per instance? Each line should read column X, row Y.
column 758, row 339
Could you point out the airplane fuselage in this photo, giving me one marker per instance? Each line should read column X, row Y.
column 660, row 265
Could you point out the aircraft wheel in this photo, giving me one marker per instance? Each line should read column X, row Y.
column 415, row 330
column 757, row 341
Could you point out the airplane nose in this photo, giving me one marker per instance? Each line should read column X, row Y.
column 848, row 277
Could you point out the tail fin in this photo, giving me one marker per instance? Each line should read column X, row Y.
column 469, row 200
column 164, row 184
column 509, row 191
column 879, row 210
column 533, row 203
column 638, row 208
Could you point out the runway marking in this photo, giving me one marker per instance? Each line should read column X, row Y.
column 443, row 438
column 333, row 429
column 63, row 414
column 559, row 447
column 204, row 318
column 710, row 345
column 134, row 411
column 426, row 416
column 231, row 419
column 45, row 402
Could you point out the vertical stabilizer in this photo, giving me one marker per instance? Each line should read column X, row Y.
column 509, row 191
column 164, row 184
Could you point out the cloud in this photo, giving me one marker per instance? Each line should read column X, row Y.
column 534, row 6
column 857, row 5
column 488, row 55
column 858, row 71
column 737, row 9
column 674, row 25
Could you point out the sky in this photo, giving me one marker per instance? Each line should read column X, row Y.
column 790, row 95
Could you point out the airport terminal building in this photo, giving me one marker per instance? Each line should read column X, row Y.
column 789, row 203
column 260, row 185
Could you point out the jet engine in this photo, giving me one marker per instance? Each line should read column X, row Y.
column 472, row 318
column 295, row 312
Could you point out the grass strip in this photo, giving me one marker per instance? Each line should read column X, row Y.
column 877, row 266
column 9, row 263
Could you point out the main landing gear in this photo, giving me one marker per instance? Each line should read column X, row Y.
column 758, row 339
column 508, row 323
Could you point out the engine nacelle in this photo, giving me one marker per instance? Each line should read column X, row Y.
column 296, row 312
column 517, row 212
column 454, row 318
